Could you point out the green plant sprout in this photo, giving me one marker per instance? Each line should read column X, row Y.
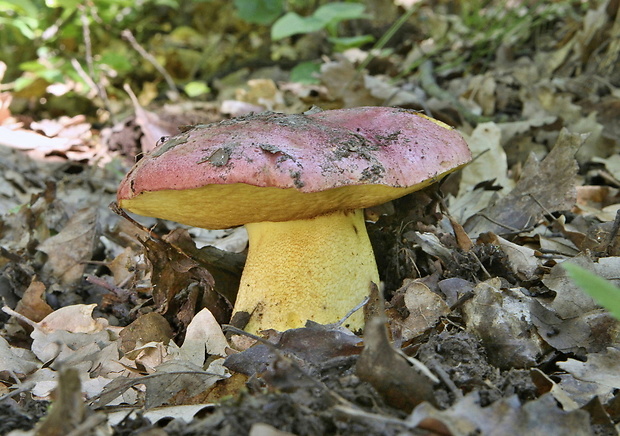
column 601, row 290
column 325, row 17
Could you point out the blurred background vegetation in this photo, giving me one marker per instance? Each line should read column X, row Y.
column 70, row 57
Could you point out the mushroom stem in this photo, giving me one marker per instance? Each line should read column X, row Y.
column 316, row 269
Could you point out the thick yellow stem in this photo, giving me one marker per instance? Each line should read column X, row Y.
column 317, row 269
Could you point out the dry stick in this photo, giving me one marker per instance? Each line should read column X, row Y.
column 137, row 47
column 90, row 77
column 87, row 43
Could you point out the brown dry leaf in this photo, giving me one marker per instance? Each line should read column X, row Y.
column 501, row 318
column 263, row 93
column 69, row 250
column 150, row 327
column 32, row 305
column 425, row 308
column 76, row 319
column 482, row 92
column 28, row 140
column 544, row 187
column 261, row 429
column 152, row 126
column 545, row 385
column 171, row 379
column 489, row 162
column 344, row 83
column 506, row 417
column 314, row 344
column 174, row 271
column 123, row 266
column 589, row 331
column 178, row 377
column 402, row 381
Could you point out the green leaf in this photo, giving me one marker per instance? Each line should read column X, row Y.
column 336, row 12
column 195, row 89
column 67, row 4
column 602, row 291
column 259, row 11
column 23, row 7
column 344, row 43
column 305, row 72
column 116, row 61
column 293, row 24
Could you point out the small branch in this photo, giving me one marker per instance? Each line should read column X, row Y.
column 137, row 47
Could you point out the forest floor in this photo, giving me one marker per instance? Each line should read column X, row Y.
column 115, row 325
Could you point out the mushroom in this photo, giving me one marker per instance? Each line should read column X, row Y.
column 299, row 184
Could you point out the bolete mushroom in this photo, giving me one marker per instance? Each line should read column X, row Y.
column 299, row 184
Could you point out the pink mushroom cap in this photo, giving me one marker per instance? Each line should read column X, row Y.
column 279, row 167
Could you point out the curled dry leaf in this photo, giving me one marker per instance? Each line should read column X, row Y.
column 75, row 319
column 402, row 381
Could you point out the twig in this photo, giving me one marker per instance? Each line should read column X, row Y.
column 90, row 77
column 174, row 94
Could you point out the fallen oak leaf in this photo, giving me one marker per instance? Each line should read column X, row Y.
column 160, row 386
column 32, row 305
column 69, row 250
column 402, row 381
column 532, row 197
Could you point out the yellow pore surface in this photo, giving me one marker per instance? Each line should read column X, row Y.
column 317, row 269
column 224, row 206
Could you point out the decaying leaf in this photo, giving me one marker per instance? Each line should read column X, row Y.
column 32, row 305
column 425, row 308
column 544, row 187
column 570, row 301
column 402, row 381
column 150, row 327
column 502, row 320
column 601, row 368
column 507, row 416
column 15, row 360
column 171, row 378
column 174, row 272
column 69, row 250
column 314, row 344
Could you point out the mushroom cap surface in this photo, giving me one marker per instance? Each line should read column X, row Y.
column 279, row 167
